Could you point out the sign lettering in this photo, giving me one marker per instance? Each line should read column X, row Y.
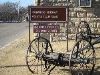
column 46, row 28
column 47, row 14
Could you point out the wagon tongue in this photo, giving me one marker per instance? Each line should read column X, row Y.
column 80, row 60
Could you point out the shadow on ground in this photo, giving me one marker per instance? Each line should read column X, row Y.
column 96, row 71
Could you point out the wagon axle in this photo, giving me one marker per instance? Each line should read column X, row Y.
column 62, row 59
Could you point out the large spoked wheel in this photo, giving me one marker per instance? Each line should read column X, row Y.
column 34, row 60
column 83, row 55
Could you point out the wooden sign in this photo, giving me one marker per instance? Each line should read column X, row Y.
column 46, row 28
column 47, row 14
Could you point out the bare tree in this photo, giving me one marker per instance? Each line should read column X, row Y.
column 9, row 12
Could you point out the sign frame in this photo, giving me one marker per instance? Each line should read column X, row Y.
column 90, row 3
column 46, row 28
column 66, row 21
column 62, row 7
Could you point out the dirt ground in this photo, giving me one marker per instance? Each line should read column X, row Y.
column 13, row 62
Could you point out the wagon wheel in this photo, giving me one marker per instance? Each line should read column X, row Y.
column 84, row 52
column 83, row 31
column 34, row 60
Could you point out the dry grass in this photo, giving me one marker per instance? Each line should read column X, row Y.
column 12, row 58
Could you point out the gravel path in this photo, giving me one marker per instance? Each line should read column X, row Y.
column 11, row 31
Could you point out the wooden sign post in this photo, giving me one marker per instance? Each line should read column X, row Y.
column 39, row 14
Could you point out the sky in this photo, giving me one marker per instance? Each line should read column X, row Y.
column 24, row 3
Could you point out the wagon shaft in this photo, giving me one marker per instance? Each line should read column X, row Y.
column 96, row 41
column 61, row 59
column 89, row 45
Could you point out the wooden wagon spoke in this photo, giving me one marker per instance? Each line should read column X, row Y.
column 85, row 57
column 34, row 59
